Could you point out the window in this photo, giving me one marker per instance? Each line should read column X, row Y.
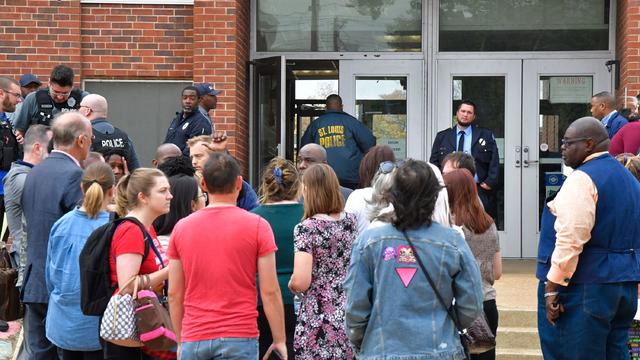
column 339, row 25
column 524, row 25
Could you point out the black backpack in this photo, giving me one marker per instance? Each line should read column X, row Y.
column 95, row 270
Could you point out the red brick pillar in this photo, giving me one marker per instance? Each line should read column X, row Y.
column 628, row 47
column 220, row 55
column 36, row 35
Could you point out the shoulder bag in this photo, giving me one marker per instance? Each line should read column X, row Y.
column 478, row 338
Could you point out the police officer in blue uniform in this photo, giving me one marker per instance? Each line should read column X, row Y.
column 189, row 122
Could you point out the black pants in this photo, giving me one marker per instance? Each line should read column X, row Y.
column 79, row 355
column 491, row 312
column 265, row 331
column 117, row 352
column 489, row 201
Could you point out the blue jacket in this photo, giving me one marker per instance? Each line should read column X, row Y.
column 248, row 198
column 611, row 255
column 616, row 123
column 346, row 140
column 51, row 190
column 66, row 326
column 483, row 149
column 182, row 130
column 391, row 310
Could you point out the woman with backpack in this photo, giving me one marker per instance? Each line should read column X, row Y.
column 75, row 334
column 144, row 195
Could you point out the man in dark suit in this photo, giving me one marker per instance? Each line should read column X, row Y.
column 603, row 108
column 51, row 189
column 481, row 144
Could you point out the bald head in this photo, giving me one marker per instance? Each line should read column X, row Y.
column 164, row 152
column 68, row 127
column 584, row 137
column 311, row 154
column 589, row 127
column 95, row 106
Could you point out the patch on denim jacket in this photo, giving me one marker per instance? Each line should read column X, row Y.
column 406, row 255
column 406, row 275
column 389, row 253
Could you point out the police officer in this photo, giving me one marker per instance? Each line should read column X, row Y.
column 189, row 122
column 41, row 106
column 107, row 138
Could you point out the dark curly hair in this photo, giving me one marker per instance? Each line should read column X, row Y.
column 413, row 194
column 177, row 165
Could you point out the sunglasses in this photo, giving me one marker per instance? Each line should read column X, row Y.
column 386, row 167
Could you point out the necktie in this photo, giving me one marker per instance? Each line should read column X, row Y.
column 461, row 141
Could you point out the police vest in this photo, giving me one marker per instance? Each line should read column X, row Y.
column 10, row 151
column 116, row 142
column 46, row 105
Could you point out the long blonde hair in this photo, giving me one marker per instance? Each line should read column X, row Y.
column 97, row 180
column 141, row 180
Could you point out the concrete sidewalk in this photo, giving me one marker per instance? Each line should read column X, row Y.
column 517, row 289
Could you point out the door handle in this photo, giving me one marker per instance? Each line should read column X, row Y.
column 525, row 154
column 518, row 156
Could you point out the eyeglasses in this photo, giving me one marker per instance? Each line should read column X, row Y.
column 205, row 196
column 85, row 106
column 93, row 137
column 12, row 93
column 386, row 167
column 568, row 142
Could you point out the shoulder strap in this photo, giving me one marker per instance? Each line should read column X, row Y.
column 449, row 308
column 148, row 241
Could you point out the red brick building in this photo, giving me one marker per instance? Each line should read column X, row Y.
column 401, row 66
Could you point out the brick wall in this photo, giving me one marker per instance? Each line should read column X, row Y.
column 628, row 47
column 220, row 54
column 36, row 35
column 137, row 41
column 208, row 41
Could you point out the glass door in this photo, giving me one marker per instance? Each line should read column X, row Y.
column 387, row 97
column 268, row 128
column 495, row 87
column 555, row 93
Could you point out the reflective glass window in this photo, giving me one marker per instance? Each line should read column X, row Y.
column 523, row 25
column 339, row 25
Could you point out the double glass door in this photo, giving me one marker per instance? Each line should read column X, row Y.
column 385, row 95
column 528, row 104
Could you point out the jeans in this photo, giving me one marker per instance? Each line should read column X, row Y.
column 222, row 348
column 595, row 322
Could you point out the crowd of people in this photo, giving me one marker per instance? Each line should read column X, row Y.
column 331, row 258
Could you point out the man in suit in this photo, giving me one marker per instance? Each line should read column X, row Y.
column 481, row 144
column 51, row 189
column 603, row 108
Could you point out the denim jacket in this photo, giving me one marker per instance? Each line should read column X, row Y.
column 392, row 311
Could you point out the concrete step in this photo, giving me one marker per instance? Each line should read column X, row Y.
column 517, row 318
column 518, row 354
column 525, row 338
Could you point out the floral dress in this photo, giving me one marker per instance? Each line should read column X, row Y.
column 320, row 332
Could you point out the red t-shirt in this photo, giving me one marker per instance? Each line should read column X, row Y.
column 129, row 239
column 219, row 249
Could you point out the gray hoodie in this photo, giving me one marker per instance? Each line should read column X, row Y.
column 13, row 184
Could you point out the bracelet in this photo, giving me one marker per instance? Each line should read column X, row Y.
column 549, row 294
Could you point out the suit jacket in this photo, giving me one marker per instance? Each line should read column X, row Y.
column 615, row 123
column 51, row 189
column 483, row 149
